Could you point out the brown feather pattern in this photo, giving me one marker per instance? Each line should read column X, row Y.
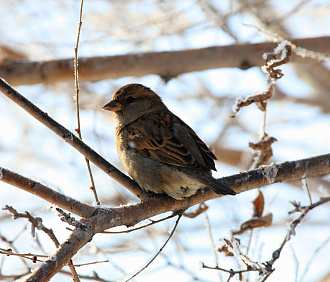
column 153, row 136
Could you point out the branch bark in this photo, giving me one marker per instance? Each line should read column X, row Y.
column 131, row 214
column 165, row 64
column 46, row 193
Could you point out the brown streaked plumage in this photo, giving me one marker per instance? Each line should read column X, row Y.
column 159, row 151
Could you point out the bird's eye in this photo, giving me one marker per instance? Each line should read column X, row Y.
column 130, row 100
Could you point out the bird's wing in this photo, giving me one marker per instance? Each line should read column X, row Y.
column 164, row 137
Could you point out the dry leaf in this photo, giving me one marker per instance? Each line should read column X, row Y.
column 256, row 222
column 258, row 205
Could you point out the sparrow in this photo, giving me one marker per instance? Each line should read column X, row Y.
column 158, row 150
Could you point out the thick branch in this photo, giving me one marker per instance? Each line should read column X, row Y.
column 46, row 193
column 151, row 206
column 244, row 181
column 80, row 237
column 166, row 64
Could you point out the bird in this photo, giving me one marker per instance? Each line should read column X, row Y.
column 158, row 150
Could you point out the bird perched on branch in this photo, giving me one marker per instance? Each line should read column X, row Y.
column 159, row 151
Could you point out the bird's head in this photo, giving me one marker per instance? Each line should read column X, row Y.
column 133, row 101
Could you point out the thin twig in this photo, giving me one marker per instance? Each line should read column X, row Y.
column 281, row 55
column 66, row 217
column 78, row 129
column 209, row 231
column 291, row 231
column 266, row 269
column 249, row 242
column 37, row 223
column 34, row 257
column 29, row 256
column 10, row 244
column 308, row 191
column 230, row 271
column 76, row 81
column 160, row 250
column 299, row 51
column 313, row 257
column 264, row 122
column 141, row 227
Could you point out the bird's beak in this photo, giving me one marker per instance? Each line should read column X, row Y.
column 112, row 106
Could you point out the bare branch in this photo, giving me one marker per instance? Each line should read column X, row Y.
column 165, row 64
column 230, row 271
column 37, row 223
column 244, row 181
column 151, row 206
column 308, row 264
column 291, row 231
column 159, row 251
column 298, row 50
column 76, row 80
column 66, row 217
column 264, row 269
column 29, row 256
column 69, row 137
column 142, row 226
column 46, row 193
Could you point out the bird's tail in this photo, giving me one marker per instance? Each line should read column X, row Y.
column 216, row 185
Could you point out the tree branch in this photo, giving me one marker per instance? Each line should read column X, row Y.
column 151, row 206
column 165, row 64
column 243, row 181
column 69, row 137
column 46, row 193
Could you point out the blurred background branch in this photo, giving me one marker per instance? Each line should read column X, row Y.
column 166, row 64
